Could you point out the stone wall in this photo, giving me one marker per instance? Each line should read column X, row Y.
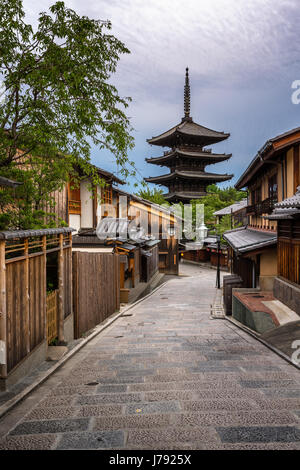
column 287, row 293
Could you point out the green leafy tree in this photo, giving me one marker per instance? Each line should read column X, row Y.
column 216, row 199
column 226, row 223
column 153, row 195
column 56, row 98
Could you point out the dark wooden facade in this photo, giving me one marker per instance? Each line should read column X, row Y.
column 288, row 251
column 246, row 268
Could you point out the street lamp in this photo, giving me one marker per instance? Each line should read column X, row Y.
column 218, row 242
column 201, row 232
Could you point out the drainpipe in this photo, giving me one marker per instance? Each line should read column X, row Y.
column 282, row 179
column 285, row 175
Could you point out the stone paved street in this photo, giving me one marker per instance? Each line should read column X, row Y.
column 165, row 376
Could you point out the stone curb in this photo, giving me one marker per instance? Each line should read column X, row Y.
column 98, row 329
column 268, row 345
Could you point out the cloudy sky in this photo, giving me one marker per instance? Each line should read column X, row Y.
column 243, row 57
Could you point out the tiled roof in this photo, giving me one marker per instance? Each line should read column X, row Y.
column 196, row 154
column 17, row 234
column 287, row 208
column 189, row 128
column 257, row 161
column 291, row 202
column 232, row 208
column 199, row 175
column 245, row 239
column 9, row 183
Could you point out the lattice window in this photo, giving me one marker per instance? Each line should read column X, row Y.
column 74, row 198
column 107, row 195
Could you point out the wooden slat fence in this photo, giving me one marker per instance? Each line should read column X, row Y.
column 96, row 289
column 23, row 318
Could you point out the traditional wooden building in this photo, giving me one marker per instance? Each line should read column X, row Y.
column 287, row 282
column 82, row 208
column 158, row 222
column 142, row 234
column 187, row 157
column 237, row 212
column 272, row 176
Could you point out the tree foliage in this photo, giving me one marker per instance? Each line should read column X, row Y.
column 56, row 99
column 153, row 195
column 226, row 223
column 218, row 198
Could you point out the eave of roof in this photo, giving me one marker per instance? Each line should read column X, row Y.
column 191, row 129
column 266, row 151
column 188, row 154
column 232, row 208
column 198, row 175
column 110, row 176
column 9, row 183
column 17, row 234
column 183, row 195
column 286, row 209
column 147, row 203
column 244, row 240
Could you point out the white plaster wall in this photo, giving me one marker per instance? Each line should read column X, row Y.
column 86, row 205
column 98, row 213
column 74, row 222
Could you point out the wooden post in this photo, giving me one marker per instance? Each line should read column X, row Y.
column 75, row 287
column 44, row 242
column 3, row 339
column 61, row 289
column 70, row 273
column 26, row 300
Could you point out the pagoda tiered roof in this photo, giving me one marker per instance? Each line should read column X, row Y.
column 187, row 158
column 183, row 196
column 188, row 153
column 189, row 132
column 188, row 174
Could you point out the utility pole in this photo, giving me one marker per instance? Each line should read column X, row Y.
column 218, row 266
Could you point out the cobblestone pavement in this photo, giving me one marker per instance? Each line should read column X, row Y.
column 165, row 376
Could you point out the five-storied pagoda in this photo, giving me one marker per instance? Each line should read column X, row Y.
column 187, row 158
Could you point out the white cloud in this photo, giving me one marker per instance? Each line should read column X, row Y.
column 242, row 55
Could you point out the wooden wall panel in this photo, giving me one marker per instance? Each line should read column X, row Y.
column 296, row 168
column 96, row 289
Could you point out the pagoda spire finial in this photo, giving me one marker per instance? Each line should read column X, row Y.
column 187, row 95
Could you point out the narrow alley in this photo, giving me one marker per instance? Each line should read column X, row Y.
column 164, row 376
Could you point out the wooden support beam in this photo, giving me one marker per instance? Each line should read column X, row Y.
column 3, row 314
column 296, row 168
column 70, row 273
column 25, row 282
column 44, row 244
